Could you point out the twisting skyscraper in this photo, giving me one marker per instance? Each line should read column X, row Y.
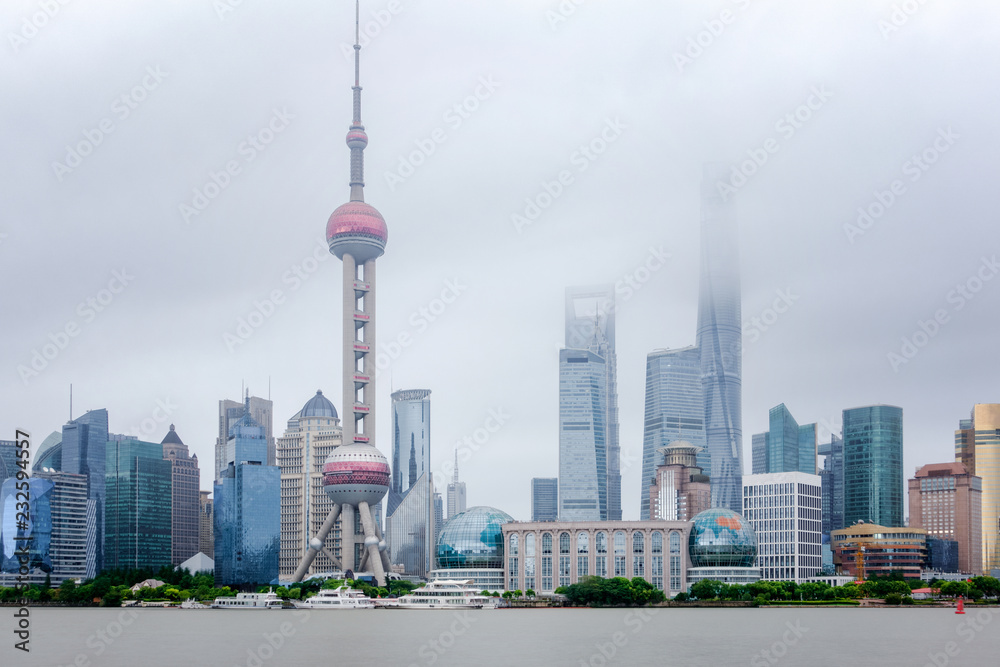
column 356, row 474
column 719, row 340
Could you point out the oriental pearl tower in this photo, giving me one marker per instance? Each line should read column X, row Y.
column 356, row 474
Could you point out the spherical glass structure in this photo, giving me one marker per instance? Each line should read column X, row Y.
column 473, row 539
column 721, row 538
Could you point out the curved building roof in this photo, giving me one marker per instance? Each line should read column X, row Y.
column 49, row 454
column 472, row 538
column 318, row 406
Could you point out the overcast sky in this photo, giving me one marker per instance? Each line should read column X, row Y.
column 119, row 121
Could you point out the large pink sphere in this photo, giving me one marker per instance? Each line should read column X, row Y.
column 356, row 473
column 356, row 228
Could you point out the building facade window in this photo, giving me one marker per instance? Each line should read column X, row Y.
column 529, row 561
column 675, row 561
column 601, row 560
column 620, row 555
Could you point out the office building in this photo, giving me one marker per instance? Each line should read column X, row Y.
column 582, row 449
column 832, row 476
column 675, row 410
column 680, row 490
column 544, row 498
column 247, row 509
column 8, row 459
column 138, row 505
column 978, row 447
column 409, row 516
column 206, row 528
column 873, row 465
column 590, row 325
column 946, row 501
column 543, row 556
column 311, row 436
column 25, row 527
column 758, row 453
column 719, row 339
column 186, row 475
column 887, row 550
column 785, row 510
column 786, row 447
column 456, row 493
column 261, row 409
column 439, row 515
column 83, row 452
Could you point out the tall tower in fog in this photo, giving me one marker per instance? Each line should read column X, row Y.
column 718, row 340
column 356, row 474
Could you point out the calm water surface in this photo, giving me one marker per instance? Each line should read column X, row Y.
column 255, row 638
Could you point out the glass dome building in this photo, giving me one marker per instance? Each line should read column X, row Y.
column 722, row 546
column 471, row 547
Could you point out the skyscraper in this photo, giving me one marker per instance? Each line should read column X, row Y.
column 84, row 443
column 138, row 504
column 356, row 474
column 583, row 475
column 544, row 498
column 758, row 453
column 980, row 451
column 456, row 492
column 873, row 465
column 8, row 459
column 590, row 325
column 206, row 529
column 808, row 449
column 184, row 527
column 832, row 482
column 261, row 409
column 675, row 410
column 785, row 510
column 68, row 511
column 786, row 447
column 409, row 514
column 247, row 509
column 312, row 434
column 946, row 501
column 680, row 491
column 719, row 341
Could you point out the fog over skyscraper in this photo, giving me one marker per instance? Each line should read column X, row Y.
column 718, row 339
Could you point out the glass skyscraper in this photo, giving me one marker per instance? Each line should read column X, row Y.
column 83, row 452
column 583, row 477
column 138, row 505
column 544, row 498
column 247, row 509
column 410, row 501
column 787, row 447
column 25, row 525
column 719, row 340
column 977, row 445
column 675, row 410
column 832, row 476
column 873, row 465
column 186, row 504
column 590, row 325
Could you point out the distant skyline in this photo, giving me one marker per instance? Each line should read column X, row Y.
column 162, row 238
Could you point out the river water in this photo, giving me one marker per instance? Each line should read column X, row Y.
column 595, row 637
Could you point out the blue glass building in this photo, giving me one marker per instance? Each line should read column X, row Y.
column 8, row 459
column 247, row 509
column 84, row 446
column 35, row 531
column 832, row 476
column 583, row 479
column 410, row 501
column 138, row 505
column 719, row 340
column 787, row 447
column 873, row 465
column 675, row 410
column 544, row 498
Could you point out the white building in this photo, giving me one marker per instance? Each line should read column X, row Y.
column 785, row 510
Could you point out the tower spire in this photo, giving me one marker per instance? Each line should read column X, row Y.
column 356, row 137
column 454, row 477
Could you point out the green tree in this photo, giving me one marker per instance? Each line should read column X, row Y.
column 706, row 589
column 530, row 593
column 893, row 599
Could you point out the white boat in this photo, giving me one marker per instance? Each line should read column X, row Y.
column 191, row 603
column 269, row 600
column 441, row 594
column 342, row 597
